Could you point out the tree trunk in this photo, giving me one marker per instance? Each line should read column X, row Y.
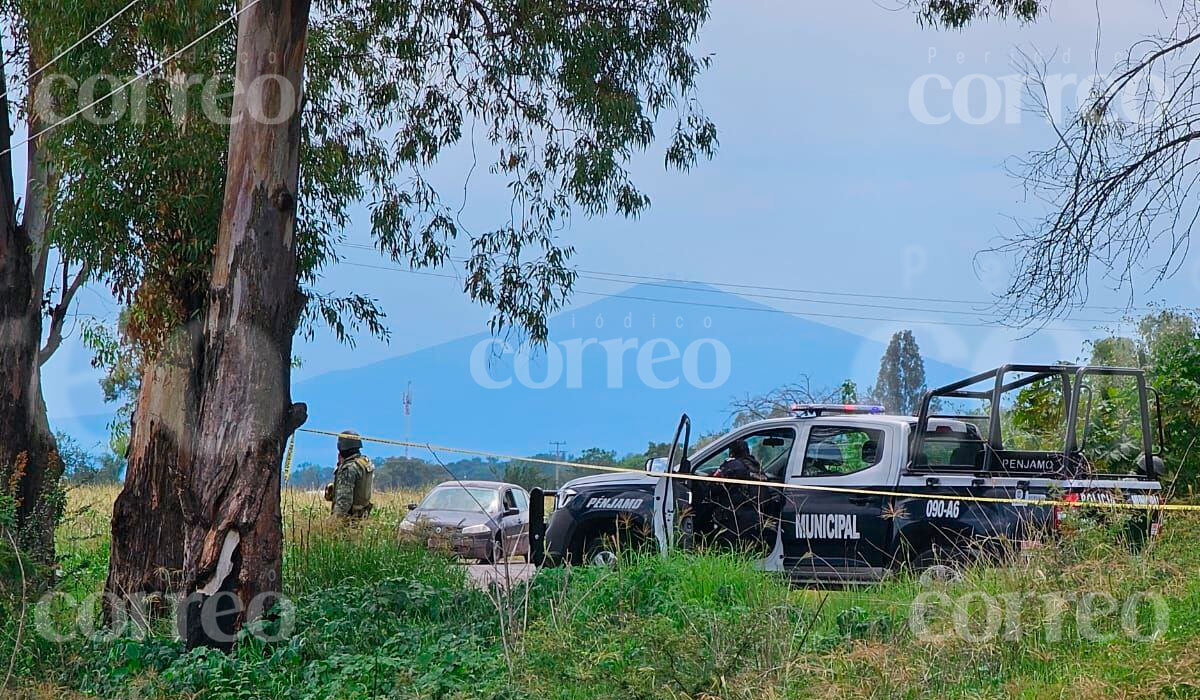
column 147, row 523
column 29, row 463
column 147, row 526
column 230, row 496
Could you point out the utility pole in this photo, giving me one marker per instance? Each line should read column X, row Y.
column 407, row 416
column 560, row 449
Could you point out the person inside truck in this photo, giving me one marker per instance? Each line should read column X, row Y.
column 737, row 516
column 740, row 464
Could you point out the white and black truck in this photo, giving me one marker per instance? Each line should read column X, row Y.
column 850, row 493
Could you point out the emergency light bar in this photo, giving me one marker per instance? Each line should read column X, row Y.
column 817, row 409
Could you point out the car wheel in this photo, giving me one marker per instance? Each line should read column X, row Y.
column 938, row 565
column 598, row 551
column 494, row 554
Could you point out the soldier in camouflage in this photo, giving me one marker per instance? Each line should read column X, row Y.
column 353, row 479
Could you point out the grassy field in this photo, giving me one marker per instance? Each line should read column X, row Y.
column 376, row 618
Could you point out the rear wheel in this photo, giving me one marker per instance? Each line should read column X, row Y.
column 941, row 565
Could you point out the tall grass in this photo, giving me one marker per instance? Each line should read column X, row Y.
column 320, row 552
column 379, row 618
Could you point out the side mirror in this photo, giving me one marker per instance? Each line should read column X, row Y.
column 412, row 506
column 509, row 512
column 656, row 465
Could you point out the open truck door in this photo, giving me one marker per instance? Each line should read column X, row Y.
column 672, row 497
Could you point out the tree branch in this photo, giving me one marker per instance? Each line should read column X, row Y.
column 58, row 315
column 1118, row 184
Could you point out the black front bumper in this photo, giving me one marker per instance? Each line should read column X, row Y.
column 559, row 533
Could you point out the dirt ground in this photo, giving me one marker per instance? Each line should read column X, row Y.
column 502, row 573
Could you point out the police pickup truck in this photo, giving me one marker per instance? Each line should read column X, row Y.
column 877, row 492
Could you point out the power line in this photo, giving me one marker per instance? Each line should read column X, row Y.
column 609, row 277
column 863, row 295
column 133, row 80
column 803, row 314
column 604, row 276
column 560, row 448
column 74, row 46
column 759, row 309
column 753, row 295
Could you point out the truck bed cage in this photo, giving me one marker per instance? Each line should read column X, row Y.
column 987, row 452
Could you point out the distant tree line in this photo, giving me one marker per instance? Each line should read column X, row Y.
column 82, row 467
column 394, row 473
column 391, row 473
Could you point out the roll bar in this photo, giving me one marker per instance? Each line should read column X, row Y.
column 1072, row 378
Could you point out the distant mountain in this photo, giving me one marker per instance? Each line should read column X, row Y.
column 617, row 374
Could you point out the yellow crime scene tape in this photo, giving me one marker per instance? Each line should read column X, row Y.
column 749, row 482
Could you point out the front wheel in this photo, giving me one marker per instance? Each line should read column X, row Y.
column 598, row 551
column 494, row 554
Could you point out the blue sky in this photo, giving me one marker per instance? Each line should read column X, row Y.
column 824, row 179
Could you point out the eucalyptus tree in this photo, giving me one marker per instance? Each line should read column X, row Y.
column 35, row 286
column 564, row 93
column 136, row 202
column 29, row 465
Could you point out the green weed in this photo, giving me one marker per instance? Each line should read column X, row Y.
column 376, row 617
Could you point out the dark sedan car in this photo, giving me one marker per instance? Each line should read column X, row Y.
column 484, row 520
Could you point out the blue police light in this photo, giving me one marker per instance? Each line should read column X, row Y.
column 819, row 408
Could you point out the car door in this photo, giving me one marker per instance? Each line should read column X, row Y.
column 522, row 544
column 684, row 505
column 831, row 532
column 673, row 496
column 743, row 515
column 512, row 525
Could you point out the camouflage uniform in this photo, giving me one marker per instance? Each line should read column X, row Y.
column 352, row 484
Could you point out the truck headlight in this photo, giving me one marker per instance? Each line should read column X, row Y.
column 407, row 525
column 480, row 529
column 564, row 497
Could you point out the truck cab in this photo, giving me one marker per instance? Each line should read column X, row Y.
column 828, row 509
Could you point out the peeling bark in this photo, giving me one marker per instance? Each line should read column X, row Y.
column 147, row 525
column 231, row 492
